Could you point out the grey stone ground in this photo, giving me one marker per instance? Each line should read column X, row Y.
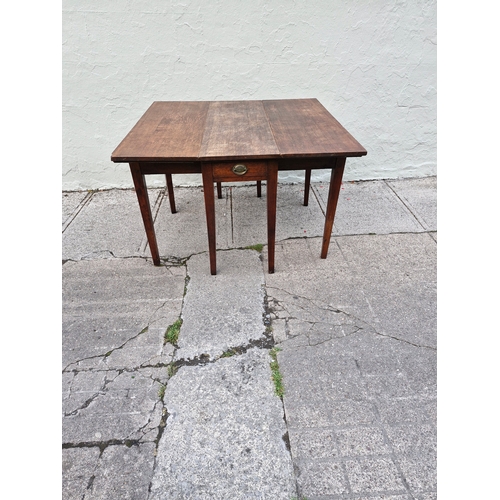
column 198, row 418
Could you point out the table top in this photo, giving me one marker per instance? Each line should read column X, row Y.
column 235, row 130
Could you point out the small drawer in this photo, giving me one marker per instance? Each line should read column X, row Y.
column 239, row 171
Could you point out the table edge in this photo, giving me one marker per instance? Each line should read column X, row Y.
column 163, row 159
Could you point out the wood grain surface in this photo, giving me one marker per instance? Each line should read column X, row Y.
column 236, row 130
column 167, row 131
column 303, row 127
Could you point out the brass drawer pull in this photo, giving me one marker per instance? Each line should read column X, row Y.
column 240, row 169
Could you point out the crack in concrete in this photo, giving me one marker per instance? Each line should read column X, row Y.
column 408, row 207
column 86, row 404
column 160, row 411
column 171, row 368
column 100, row 392
column 106, row 354
column 152, row 320
column 266, row 341
column 147, row 428
column 78, row 209
column 113, row 256
column 318, row 199
column 231, row 212
column 94, row 253
column 307, row 308
column 131, row 440
column 358, row 323
column 405, row 341
column 121, row 370
column 102, row 445
column 267, row 319
column 155, row 210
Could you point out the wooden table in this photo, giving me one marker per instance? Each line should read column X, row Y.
column 228, row 141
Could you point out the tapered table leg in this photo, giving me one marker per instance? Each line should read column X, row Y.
column 271, row 194
column 144, row 205
column 219, row 190
column 331, row 207
column 208, row 191
column 307, row 186
column 170, row 189
column 259, row 189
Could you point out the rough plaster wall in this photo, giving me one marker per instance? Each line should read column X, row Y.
column 372, row 64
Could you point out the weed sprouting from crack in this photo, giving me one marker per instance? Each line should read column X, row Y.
column 161, row 391
column 171, row 370
column 172, row 333
column 229, row 353
column 257, row 247
column 279, row 389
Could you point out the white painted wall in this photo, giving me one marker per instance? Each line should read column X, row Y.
column 371, row 63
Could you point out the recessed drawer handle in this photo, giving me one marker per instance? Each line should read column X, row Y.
column 240, row 169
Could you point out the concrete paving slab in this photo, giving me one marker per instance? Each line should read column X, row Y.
column 98, row 230
column 398, row 277
column 323, row 479
column 364, row 274
column 222, row 311
column 333, row 417
column 372, row 475
column 224, row 434
column 408, row 439
column 116, row 312
column 368, row 207
column 114, row 472
column 124, row 407
column 358, row 358
column 362, row 441
column 124, row 472
column 356, row 368
column 420, row 474
column 329, row 283
column 78, row 469
column 420, row 196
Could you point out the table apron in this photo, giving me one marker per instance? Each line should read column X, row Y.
column 194, row 167
column 170, row 167
column 306, row 163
